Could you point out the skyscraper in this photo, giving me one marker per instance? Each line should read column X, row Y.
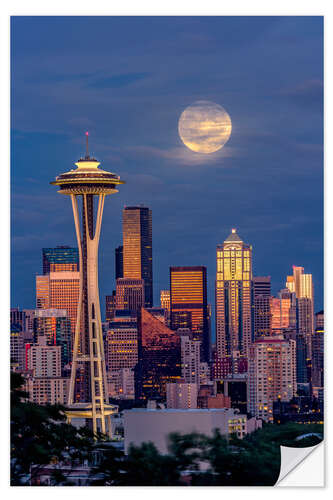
column 272, row 375
column 190, row 352
column 59, row 290
column 301, row 284
column 122, row 345
column 88, row 386
column 137, row 248
column 61, row 258
column 261, row 306
column 159, row 357
column 130, row 294
column 233, row 296
column 318, row 351
column 119, row 262
column 44, row 360
column 55, row 326
column 188, row 302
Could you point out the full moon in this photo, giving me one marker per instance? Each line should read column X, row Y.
column 204, row 127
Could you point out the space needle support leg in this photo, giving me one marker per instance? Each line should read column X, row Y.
column 78, row 315
column 100, row 334
column 101, row 379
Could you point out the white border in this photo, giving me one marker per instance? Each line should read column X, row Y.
column 146, row 7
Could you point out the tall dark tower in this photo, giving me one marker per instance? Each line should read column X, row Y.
column 119, row 262
column 88, row 385
column 137, row 248
column 262, row 322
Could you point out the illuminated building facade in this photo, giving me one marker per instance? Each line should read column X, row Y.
column 88, row 398
column 234, row 330
column 261, row 306
column 61, row 258
column 17, row 362
column 59, row 290
column 159, row 358
column 137, row 248
column 44, row 360
column 130, row 294
column 188, row 304
column 284, row 311
column 55, row 326
column 122, row 345
column 301, row 284
column 271, row 376
column 165, row 299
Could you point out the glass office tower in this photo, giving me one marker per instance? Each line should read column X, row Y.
column 137, row 248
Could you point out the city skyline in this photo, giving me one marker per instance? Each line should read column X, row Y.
column 193, row 317
column 266, row 181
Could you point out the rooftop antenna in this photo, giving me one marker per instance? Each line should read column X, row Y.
column 87, row 151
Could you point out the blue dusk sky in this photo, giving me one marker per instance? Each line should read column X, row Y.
column 127, row 80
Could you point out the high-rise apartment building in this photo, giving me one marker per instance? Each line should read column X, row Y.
column 130, row 294
column 44, row 360
column 188, row 301
column 119, row 262
column 233, row 296
column 190, row 356
column 17, row 362
column 159, row 357
column 182, row 395
column 317, row 375
column 59, row 290
column 261, row 306
column 137, row 248
column 121, row 345
column 61, row 258
column 47, row 390
column 121, row 383
column 272, row 375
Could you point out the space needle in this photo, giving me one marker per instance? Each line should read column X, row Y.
column 87, row 185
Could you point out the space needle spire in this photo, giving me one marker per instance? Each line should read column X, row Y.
column 87, row 399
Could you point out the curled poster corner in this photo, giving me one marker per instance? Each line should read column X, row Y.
column 302, row 466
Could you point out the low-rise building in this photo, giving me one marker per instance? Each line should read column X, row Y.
column 144, row 425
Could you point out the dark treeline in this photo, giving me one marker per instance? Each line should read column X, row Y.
column 40, row 436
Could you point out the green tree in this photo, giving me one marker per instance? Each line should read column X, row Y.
column 40, row 435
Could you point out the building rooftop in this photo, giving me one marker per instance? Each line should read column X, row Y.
column 233, row 236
